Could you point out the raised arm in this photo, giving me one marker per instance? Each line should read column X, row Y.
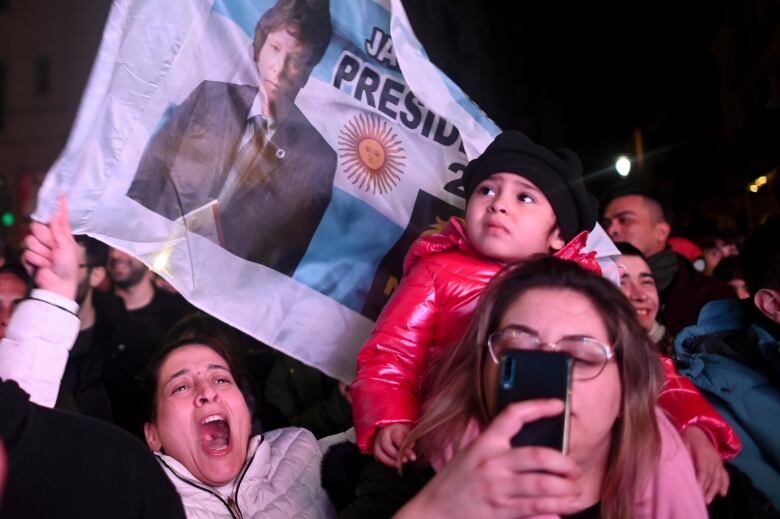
column 44, row 327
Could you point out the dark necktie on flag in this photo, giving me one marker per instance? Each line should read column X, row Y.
column 245, row 169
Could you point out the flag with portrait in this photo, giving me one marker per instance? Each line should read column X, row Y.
column 272, row 159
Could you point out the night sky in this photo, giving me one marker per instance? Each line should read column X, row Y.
column 609, row 68
column 584, row 76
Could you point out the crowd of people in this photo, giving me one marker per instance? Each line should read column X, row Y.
column 119, row 399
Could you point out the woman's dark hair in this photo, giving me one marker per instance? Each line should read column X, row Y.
column 627, row 249
column 201, row 329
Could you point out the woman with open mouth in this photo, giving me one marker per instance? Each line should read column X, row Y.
column 200, row 430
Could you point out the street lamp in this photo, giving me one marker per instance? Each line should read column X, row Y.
column 623, row 166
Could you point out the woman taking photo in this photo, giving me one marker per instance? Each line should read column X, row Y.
column 628, row 460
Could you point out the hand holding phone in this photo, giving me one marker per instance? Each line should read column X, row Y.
column 533, row 374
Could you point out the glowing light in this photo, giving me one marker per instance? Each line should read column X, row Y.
column 8, row 219
column 623, row 166
column 161, row 260
column 760, row 181
column 753, row 188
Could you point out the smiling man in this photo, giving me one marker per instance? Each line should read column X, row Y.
column 244, row 157
column 640, row 220
column 638, row 285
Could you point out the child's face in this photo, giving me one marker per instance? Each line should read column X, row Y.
column 509, row 219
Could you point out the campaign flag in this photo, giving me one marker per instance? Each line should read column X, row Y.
column 271, row 159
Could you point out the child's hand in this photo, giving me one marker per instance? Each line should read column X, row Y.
column 710, row 471
column 387, row 442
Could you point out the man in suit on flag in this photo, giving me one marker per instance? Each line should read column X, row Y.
column 245, row 153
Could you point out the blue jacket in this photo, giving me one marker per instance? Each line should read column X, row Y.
column 737, row 366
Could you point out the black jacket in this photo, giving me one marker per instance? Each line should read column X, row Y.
column 65, row 465
column 688, row 293
column 359, row 486
column 134, row 338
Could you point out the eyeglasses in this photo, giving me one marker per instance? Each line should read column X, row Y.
column 589, row 355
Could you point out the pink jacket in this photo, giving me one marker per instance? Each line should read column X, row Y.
column 672, row 490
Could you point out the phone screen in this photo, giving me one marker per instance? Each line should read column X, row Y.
column 529, row 375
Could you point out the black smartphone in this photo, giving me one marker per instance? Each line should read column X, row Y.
column 532, row 374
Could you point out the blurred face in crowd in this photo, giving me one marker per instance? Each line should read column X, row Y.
column 638, row 284
column 728, row 249
column 553, row 314
column 713, row 255
column 638, row 221
column 202, row 419
column 84, row 272
column 124, row 270
column 89, row 276
column 12, row 291
column 282, row 66
column 508, row 218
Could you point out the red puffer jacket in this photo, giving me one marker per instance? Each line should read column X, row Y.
column 444, row 278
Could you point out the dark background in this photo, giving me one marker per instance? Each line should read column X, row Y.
column 698, row 81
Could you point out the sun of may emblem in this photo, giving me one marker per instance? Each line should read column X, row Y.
column 372, row 154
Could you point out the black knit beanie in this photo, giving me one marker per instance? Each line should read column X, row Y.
column 558, row 174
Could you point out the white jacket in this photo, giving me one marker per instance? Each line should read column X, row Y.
column 35, row 349
column 281, row 479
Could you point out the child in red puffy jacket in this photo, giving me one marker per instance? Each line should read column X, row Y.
column 524, row 201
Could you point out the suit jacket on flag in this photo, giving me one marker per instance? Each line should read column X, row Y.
column 274, row 214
